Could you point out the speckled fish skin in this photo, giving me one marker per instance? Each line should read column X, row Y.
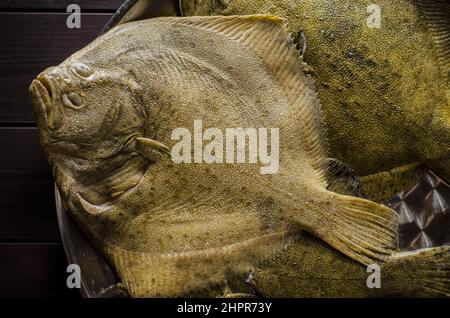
column 309, row 268
column 106, row 114
column 385, row 92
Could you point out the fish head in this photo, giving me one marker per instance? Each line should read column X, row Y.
column 88, row 115
column 77, row 108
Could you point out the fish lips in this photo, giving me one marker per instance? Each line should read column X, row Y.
column 39, row 98
column 43, row 98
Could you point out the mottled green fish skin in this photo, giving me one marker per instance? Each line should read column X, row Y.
column 309, row 268
column 384, row 91
column 107, row 116
column 383, row 186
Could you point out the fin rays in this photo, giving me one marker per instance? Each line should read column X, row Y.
column 288, row 74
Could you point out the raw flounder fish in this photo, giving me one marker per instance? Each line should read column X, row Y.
column 385, row 91
column 309, row 268
column 107, row 116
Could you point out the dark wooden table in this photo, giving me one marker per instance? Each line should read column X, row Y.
column 33, row 36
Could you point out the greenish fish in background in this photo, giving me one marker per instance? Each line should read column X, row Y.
column 309, row 268
column 385, row 91
column 107, row 117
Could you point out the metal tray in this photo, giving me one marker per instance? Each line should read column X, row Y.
column 424, row 210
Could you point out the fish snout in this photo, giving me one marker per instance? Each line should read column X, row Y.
column 49, row 78
column 45, row 92
column 38, row 100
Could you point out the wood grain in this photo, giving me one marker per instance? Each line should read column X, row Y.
column 27, row 209
column 33, row 36
column 27, row 47
column 33, row 270
column 53, row 5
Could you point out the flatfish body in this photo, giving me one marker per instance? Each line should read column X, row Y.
column 141, row 129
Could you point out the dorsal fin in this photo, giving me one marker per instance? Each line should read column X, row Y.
column 268, row 38
column 437, row 15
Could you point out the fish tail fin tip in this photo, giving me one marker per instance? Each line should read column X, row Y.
column 428, row 269
column 363, row 230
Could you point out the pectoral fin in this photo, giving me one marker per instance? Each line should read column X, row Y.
column 151, row 149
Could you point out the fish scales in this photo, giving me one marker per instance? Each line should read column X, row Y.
column 105, row 121
column 384, row 88
column 309, row 268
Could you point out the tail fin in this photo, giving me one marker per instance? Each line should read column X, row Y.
column 428, row 271
column 363, row 230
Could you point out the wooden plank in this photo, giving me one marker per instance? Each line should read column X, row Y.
column 27, row 208
column 33, row 270
column 59, row 4
column 28, row 47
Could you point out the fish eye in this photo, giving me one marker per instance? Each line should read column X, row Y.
column 82, row 70
column 75, row 99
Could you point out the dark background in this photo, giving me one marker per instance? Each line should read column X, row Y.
column 33, row 36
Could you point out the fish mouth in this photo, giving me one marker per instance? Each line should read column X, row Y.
column 42, row 95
